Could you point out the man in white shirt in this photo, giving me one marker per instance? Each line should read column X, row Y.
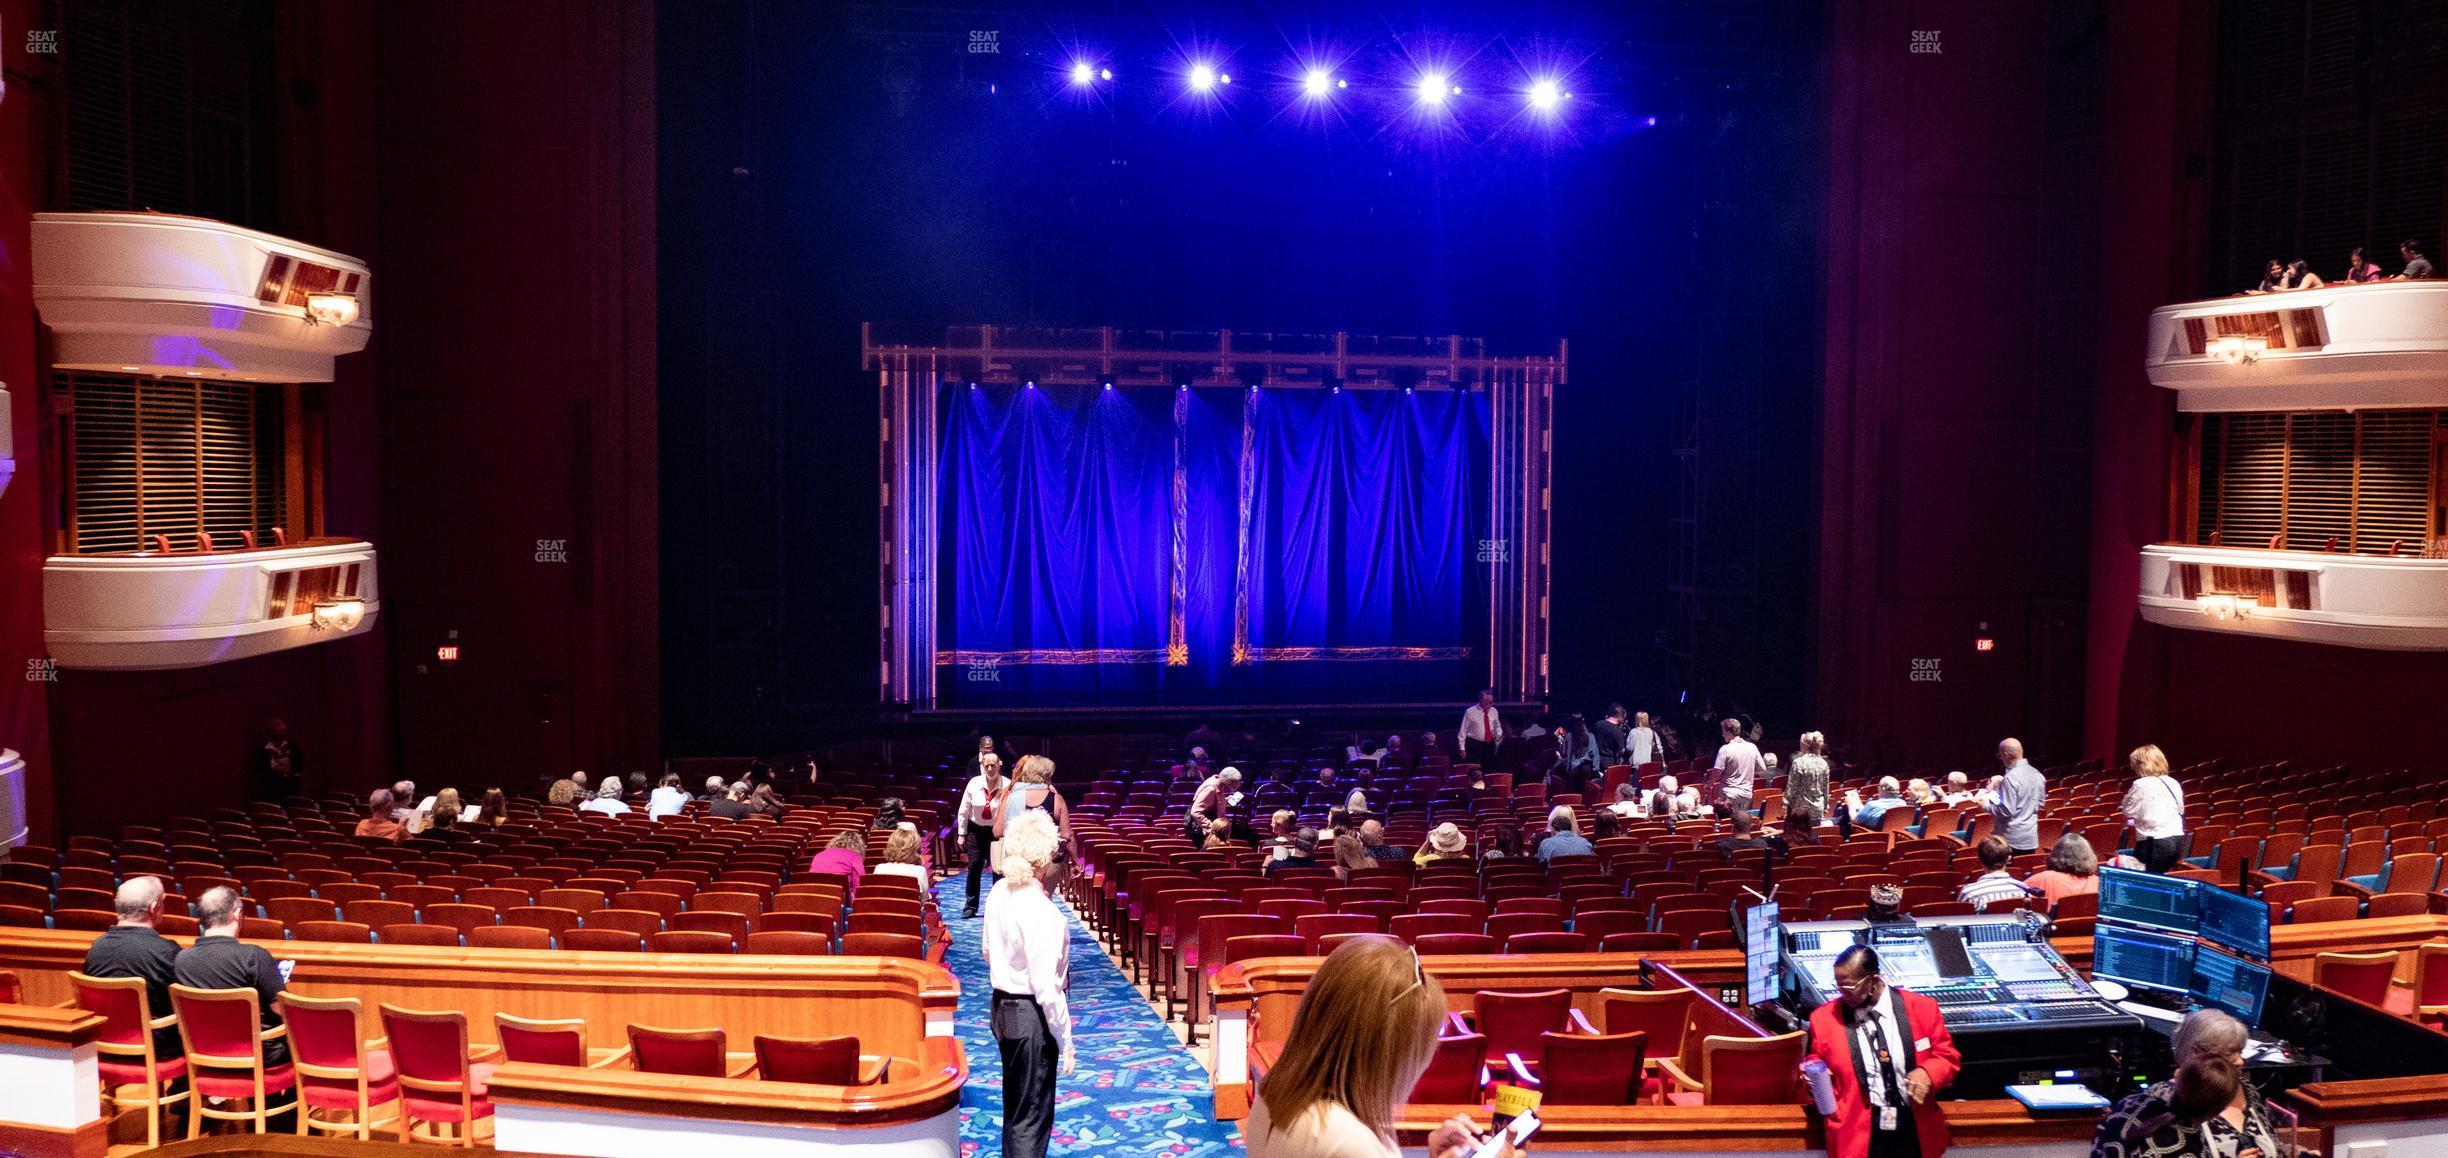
column 1027, row 944
column 607, row 800
column 2021, row 791
column 1214, row 795
column 1644, row 742
column 1958, row 789
column 668, row 798
column 1482, row 729
column 977, row 821
column 1736, row 770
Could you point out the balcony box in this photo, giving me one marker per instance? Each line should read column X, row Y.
column 169, row 296
column 149, row 612
column 12, row 798
column 2382, row 344
column 2372, row 601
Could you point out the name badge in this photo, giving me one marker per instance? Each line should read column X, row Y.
column 1887, row 1118
column 1920, row 1043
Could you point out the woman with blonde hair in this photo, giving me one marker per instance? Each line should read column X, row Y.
column 1806, row 776
column 1366, row 1028
column 1349, row 853
column 900, row 857
column 1027, row 944
column 2154, row 808
column 1032, row 790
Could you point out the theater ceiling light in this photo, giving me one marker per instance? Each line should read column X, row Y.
column 339, row 614
column 331, row 308
column 2224, row 607
column 2237, row 349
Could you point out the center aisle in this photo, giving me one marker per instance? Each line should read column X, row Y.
column 1137, row 1089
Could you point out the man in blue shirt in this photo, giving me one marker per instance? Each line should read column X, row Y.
column 2020, row 793
column 1890, row 797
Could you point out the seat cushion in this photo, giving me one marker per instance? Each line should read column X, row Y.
column 214, row 1083
column 435, row 1108
column 133, row 1073
column 382, row 1085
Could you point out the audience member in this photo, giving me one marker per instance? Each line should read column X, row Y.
column 607, row 799
column 1806, row 783
column 1372, row 841
column 1445, row 842
column 494, row 810
column 1736, row 770
column 2154, row 807
column 1613, row 735
column 1364, row 1032
column 979, row 799
column 1503, row 843
column 901, row 858
column 715, row 789
column 890, row 812
column 733, row 805
column 1890, row 797
column 1027, row 945
column 2362, row 269
column 2273, row 277
column 135, row 948
column 1917, row 793
column 2207, row 1108
column 1743, row 836
column 669, row 798
column 634, row 788
column 445, row 814
column 1301, row 853
column 1958, row 789
column 404, row 803
column 1563, row 836
column 1643, row 741
column 2020, row 793
column 1672, row 801
column 1219, row 835
column 1396, row 757
column 219, row 960
column 763, row 802
column 1997, row 885
column 1348, row 854
column 2073, row 869
column 1213, row 798
column 1482, row 729
column 845, row 855
column 1801, row 830
column 2417, row 267
column 563, row 790
column 378, row 822
column 1886, row 905
column 280, row 771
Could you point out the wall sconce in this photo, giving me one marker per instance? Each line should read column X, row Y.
column 339, row 614
column 2226, row 607
column 330, row 308
column 2237, row 349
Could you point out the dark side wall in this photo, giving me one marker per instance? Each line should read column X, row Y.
column 495, row 165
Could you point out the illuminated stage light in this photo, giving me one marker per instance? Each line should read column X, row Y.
column 1202, row 78
column 1317, row 83
column 1434, row 87
column 1082, row 73
column 1651, row 122
column 1546, row 95
column 1104, row 74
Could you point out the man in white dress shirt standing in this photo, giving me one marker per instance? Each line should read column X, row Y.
column 977, row 817
column 1028, row 943
column 1482, row 729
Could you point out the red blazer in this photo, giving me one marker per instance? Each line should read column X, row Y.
column 1933, row 1050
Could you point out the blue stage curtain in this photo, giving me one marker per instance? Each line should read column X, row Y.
column 1056, row 567
column 1362, row 525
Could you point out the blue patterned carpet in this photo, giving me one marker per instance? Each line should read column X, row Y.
column 1136, row 1091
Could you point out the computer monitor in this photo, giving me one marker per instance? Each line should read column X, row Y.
column 2229, row 982
column 2150, row 900
column 1760, row 934
column 2235, row 921
column 2142, row 959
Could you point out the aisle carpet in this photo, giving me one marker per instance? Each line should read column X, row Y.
column 1137, row 1090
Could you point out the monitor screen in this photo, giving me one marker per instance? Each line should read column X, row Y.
column 2143, row 960
column 2236, row 921
column 1760, row 953
column 2229, row 982
column 2147, row 899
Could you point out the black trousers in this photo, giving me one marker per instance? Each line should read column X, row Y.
column 1030, row 1058
column 2159, row 854
column 1480, row 752
column 979, row 840
column 1902, row 1142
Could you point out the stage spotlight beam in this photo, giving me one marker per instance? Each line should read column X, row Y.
column 1546, row 94
column 1083, row 73
column 1318, row 83
column 1202, row 78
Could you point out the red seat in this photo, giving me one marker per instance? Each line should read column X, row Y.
column 696, row 1053
column 509, row 937
column 1314, row 927
column 1410, row 927
column 224, row 1035
column 824, row 1061
column 1557, row 942
column 420, row 935
column 1449, row 944
column 438, row 1085
column 775, row 942
column 878, row 945
column 336, row 1073
column 126, row 1045
column 1456, row 1072
column 2365, row 977
column 1514, row 1021
column 610, row 941
column 1578, row 1069
column 1639, row 943
column 552, row 1043
column 1503, row 926
column 336, row 932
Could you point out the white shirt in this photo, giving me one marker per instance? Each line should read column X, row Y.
column 978, row 799
column 2155, row 805
column 1738, row 765
column 1324, row 1130
column 1027, row 943
column 665, row 802
column 1875, row 1020
column 897, row 869
column 1481, row 722
column 608, row 805
column 1644, row 746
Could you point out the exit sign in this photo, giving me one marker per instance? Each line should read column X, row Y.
column 447, row 653
column 1984, row 643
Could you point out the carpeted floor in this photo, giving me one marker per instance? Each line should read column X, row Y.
column 1137, row 1091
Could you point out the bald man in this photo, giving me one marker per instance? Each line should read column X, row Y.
column 2021, row 790
column 134, row 948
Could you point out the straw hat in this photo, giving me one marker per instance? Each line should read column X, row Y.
column 1445, row 838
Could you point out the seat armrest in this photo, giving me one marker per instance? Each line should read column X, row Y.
column 873, row 1068
column 1578, row 1023
column 744, row 1070
column 609, row 1060
column 2349, row 888
column 1674, row 1072
column 1454, row 1022
column 1521, row 1070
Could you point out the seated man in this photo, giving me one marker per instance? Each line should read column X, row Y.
column 1997, row 885
column 1890, row 798
column 1745, row 835
column 134, row 948
column 1302, row 853
column 219, row 960
column 1372, row 841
